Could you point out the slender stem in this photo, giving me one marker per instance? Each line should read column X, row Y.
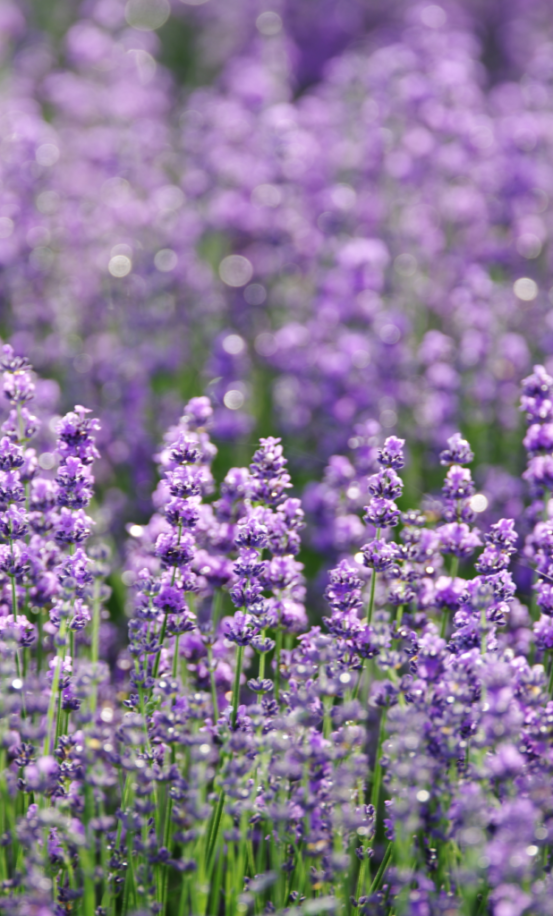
column 278, row 650
column 175, row 669
column 161, row 638
column 373, row 587
column 53, row 694
column 236, row 689
column 377, row 776
column 444, row 622
column 39, row 645
column 214, row 833
column 167, row 842
column 371, row 598
column 358, row 685
column 214, row 702
column 14, row 594
column 383, row 866
column 261, row 669
column 362, row 877
column 95, row 651
column 445, row 613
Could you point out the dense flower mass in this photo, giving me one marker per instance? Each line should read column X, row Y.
column 259, row 654
column 234, row 756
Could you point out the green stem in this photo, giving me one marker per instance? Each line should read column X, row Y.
column 39, row 645
column 214, row 832
column 377, row 776
column 371, row 598
column 261, row 669
column 362, row 877
column 53, row 695
column 95, row 651
column 278, row 650
column 175, row 669
column 214, row 702
column 358, row 685
column 381, row 871
column 161, row 638
column 236, row 689
column 445, row 613
column 373, row 587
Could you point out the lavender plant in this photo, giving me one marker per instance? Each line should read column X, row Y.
column 236, row 758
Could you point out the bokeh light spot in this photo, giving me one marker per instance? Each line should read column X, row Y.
column 233, row 399
column 147, row 15
column 479, row 502
column 233, row 344
column 235, row 270
column 269, row 23
column 525, row 289
column 120, row 265
column 165, row 260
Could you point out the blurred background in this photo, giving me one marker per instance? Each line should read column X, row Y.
column 331, row 216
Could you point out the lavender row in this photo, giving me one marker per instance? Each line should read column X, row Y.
column 235, row 758
column 374, row 248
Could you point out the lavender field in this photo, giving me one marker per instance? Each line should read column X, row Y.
column 276, row 457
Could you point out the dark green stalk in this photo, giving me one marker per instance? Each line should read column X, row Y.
column 371, row 598
column 95, row 650
column 377, row 775
column 236, row 689
column 278, row 650
column 381, row 871
column 214, row 701
column 53, row 694
column 161, row 638
column 445, row 613
column 214, row 833
column 261, row 669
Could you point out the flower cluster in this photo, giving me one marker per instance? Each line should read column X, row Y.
column 234, row 755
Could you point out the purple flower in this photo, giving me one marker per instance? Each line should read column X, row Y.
column 269, row 479
column 251, row 532
column 379, row 555
column 42, row 776
column 457, row 538
column 241, row 628
column 382, row 513
column 73, row 527
column 174, row 550
column 344, row 590
column 391, row 455
column 458, row 451
column 18, row 387
column 75, row 435
column 458, row 483
column 385, row 484
column 448, row 591
column 537, row 396
column 11, row 455
column 13, row 523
